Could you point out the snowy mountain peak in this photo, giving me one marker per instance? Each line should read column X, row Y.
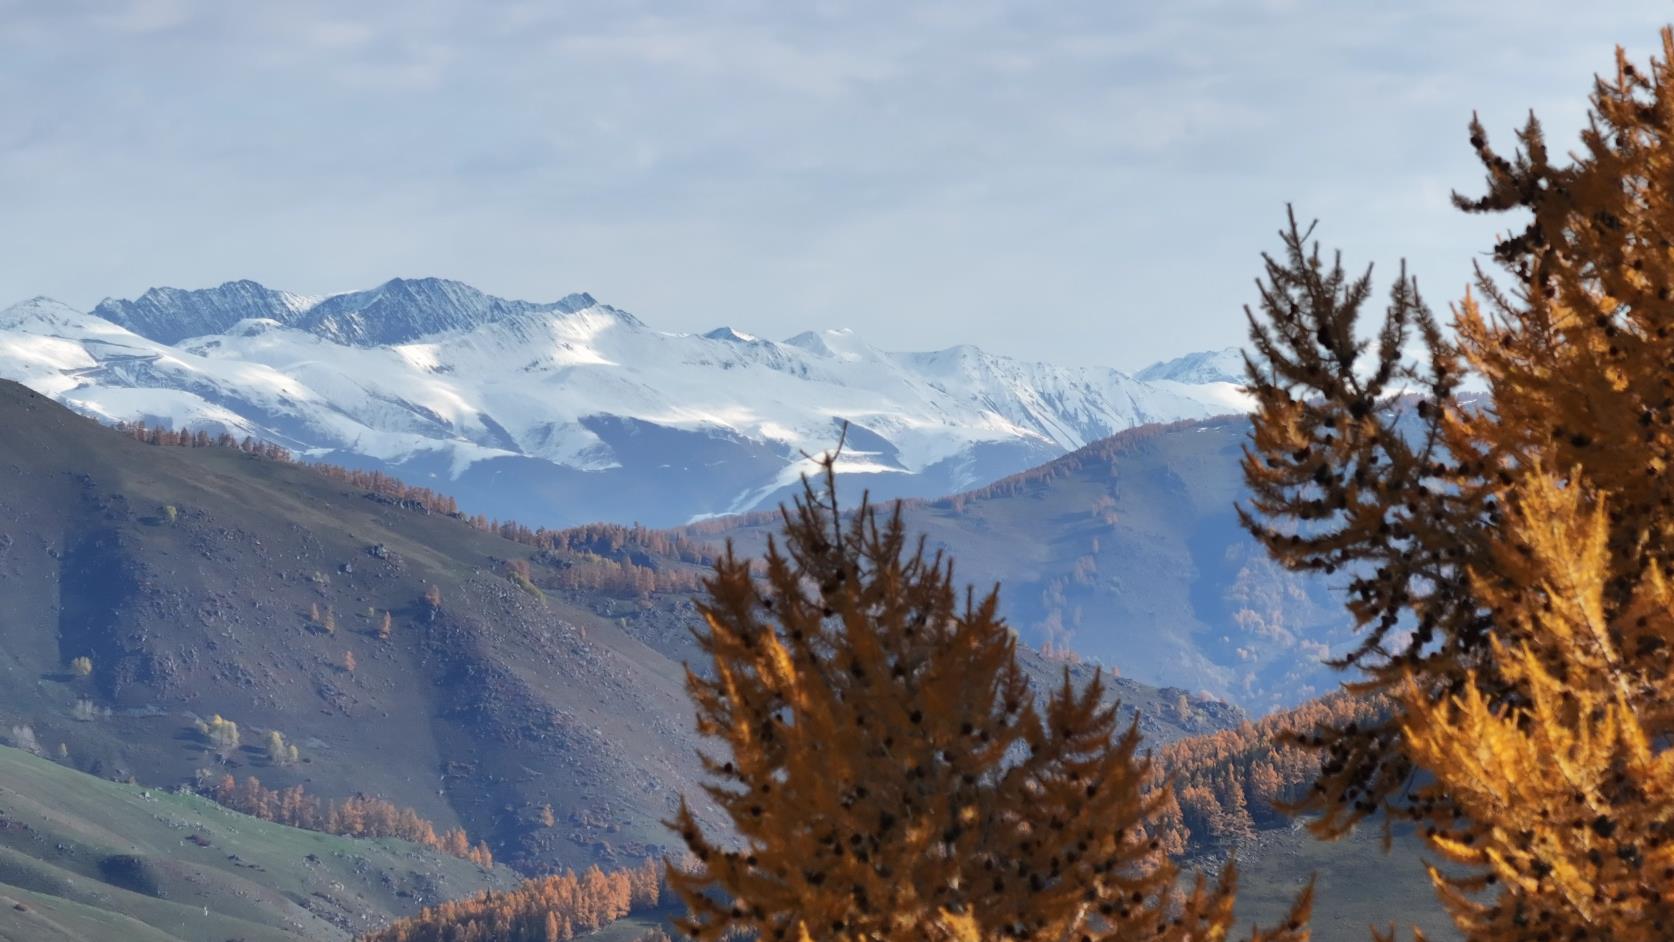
column 400, row 310
column 810, row 341
column 566, row 411
column 404, row 309
column 840, row 343
column 730, row 335
column 39, row 309
column 170, row 315
column 38, row 302
column 1208, row 366
column 578, row 301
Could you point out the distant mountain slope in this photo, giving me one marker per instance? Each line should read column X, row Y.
column 203, row 581
column 1128, row 551
column 86, row 860
column 187, row 576
column 571, row 411
column 1210, row 366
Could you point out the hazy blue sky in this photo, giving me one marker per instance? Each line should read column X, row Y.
column 1081, row 182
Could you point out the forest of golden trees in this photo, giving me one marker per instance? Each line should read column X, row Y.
column 545, row 909
column 1229, row 784
column 357, row 816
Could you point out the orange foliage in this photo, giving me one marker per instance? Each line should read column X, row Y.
column 359, row 816
column 1233, row 782
column 545, row 909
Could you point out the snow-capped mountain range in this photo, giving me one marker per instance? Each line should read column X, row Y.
column 572, row 410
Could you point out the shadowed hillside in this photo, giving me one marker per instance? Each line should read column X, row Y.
column 199, row 582
column 1129, row 552
column 203, row 581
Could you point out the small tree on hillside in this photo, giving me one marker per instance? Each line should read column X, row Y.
column 280, row 752
column 890, row 772
column 220, row 732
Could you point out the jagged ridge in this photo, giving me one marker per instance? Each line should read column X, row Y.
column 570, row 410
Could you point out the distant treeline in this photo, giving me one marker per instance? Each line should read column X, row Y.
column 359, row 816
column 1229, row 784
column 622, row 560
column 545, row 909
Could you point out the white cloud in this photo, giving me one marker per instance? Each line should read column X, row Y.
column 923, row 171
column 145, row 16
column 749, row 54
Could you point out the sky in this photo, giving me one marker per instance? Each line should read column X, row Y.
column 1083, row 183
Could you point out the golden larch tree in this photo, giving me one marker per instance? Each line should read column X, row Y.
column 1503, row 550
column 889, row 772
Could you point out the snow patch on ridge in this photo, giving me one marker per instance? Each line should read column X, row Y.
column 436, row 372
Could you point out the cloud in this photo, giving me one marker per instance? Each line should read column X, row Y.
column 145, row 16
column 748, row 54
column 1084, row 181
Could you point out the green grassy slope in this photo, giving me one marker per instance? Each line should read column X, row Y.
column 86, row 859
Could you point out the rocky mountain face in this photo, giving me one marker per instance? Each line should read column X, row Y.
column 568, row 411
column 170, row 315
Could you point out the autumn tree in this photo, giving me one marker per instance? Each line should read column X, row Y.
column 543, row 909
column 220, row 733
column 890, row 773
column 1565, row 800
column 280, row 752
column 1503, row 553
column 357, row 816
